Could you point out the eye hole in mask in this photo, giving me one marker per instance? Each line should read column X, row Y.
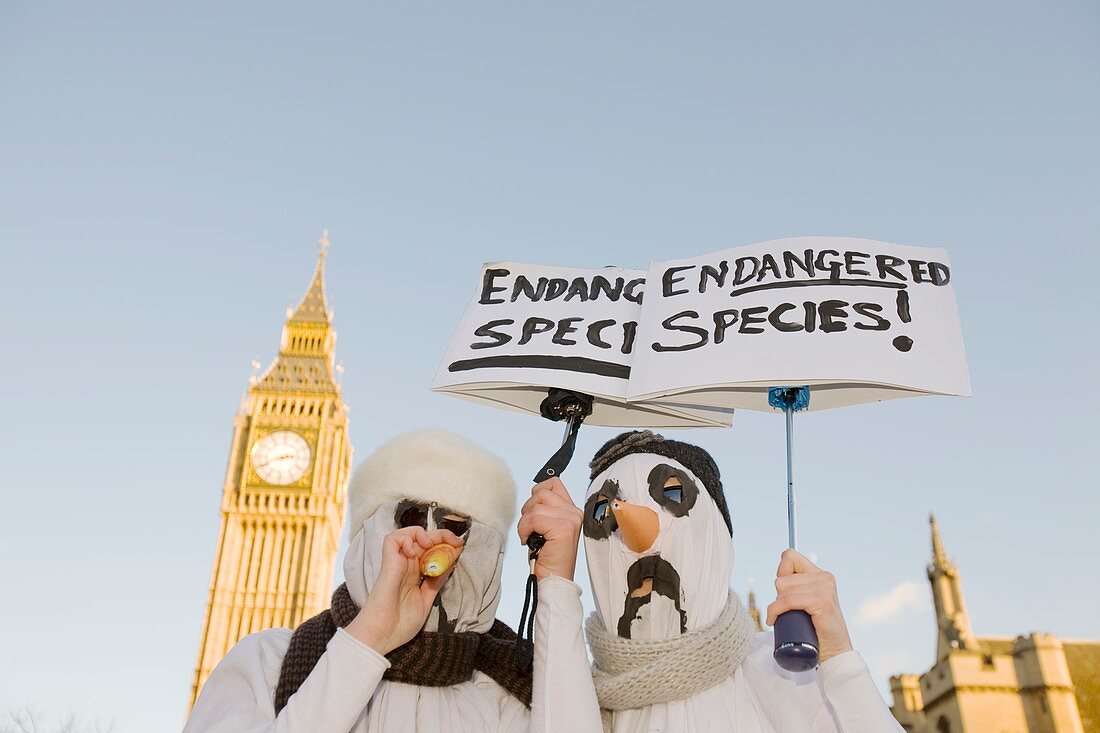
column 599, row 522
column 446, row 518
column 457, row 524
column 673, row 489
column 410, row 514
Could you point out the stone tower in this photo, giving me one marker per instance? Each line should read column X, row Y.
column 282, row 506
column 1033, row 683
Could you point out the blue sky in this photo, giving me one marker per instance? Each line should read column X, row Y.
column 165, row 173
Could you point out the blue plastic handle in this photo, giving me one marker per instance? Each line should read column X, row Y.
column 795, row 641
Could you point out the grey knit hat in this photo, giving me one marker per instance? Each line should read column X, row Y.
column 692, row 456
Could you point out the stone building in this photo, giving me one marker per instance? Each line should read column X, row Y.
column 1036, row 683
column 282, row 506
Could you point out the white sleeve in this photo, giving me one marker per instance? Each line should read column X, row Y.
column 855, row 701
column 239, row 695
column 563, row 697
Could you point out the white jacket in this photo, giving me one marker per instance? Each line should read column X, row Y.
column 346, row 693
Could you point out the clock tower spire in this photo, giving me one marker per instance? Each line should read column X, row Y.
column 282, row 506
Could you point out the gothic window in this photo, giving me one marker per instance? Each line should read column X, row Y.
column 942, row 726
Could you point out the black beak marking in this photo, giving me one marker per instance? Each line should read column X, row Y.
column 666, row 582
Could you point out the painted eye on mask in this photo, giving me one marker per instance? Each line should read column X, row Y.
column 673, row 489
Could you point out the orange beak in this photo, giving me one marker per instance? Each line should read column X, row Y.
column 637, row 524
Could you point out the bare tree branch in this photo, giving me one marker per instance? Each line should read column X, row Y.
column 31, row 720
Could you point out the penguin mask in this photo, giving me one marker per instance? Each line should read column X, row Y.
column 658, row 546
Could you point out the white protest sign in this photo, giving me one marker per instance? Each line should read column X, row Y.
column 855, row 319
column 532, row 327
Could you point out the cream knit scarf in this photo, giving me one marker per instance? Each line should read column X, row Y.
column 630, row 673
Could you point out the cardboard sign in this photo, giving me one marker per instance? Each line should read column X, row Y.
column 855, row 319
column 531, row 327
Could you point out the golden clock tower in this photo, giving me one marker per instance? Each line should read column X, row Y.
column 283, row 501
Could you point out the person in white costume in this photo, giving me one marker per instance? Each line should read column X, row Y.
column 398, row 652
column 673, row 647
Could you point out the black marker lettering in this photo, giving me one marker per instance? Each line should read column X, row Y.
column 565, row 327
column 555, row 287
column 830, row 309
column 670, row 325
column 790, row 259
column 851, row 261
column 833, row 266
column 594, row 333
column 780, row 325
column 739, row 275
column 768, row 265
column 487, row 287
column 871, row 310
column 888, row 264
column 534, row 325
column 920, row 275
column 669, row 279
column 523, row 287
column 717, row 275
column 630, row 292
column 579, row 289
column 486, row 331
column 750, row 317
column 542, row 361
column 903, row 307
column 630, row 330
column 939, row 272
column 723, row 320
column 601, row 284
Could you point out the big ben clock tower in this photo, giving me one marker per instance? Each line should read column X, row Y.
column 282, row 506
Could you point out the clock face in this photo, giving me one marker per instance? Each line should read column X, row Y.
column 281, row 458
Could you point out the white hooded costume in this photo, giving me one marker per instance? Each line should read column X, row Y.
column 431, row 476
column 674, row 648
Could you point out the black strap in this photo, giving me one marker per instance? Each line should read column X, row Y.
column 560, row 460
column 563, row 404
column 525, row 643
column 560, row 404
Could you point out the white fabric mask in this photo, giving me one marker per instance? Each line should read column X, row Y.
column 470, row 597
column 690, row 561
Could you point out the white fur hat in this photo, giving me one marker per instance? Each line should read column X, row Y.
column 434, row 465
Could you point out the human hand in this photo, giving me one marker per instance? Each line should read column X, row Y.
column 803, row 586
column 401, row 599
column 551, row 512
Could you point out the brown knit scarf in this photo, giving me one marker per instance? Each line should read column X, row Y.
column 430, row 659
